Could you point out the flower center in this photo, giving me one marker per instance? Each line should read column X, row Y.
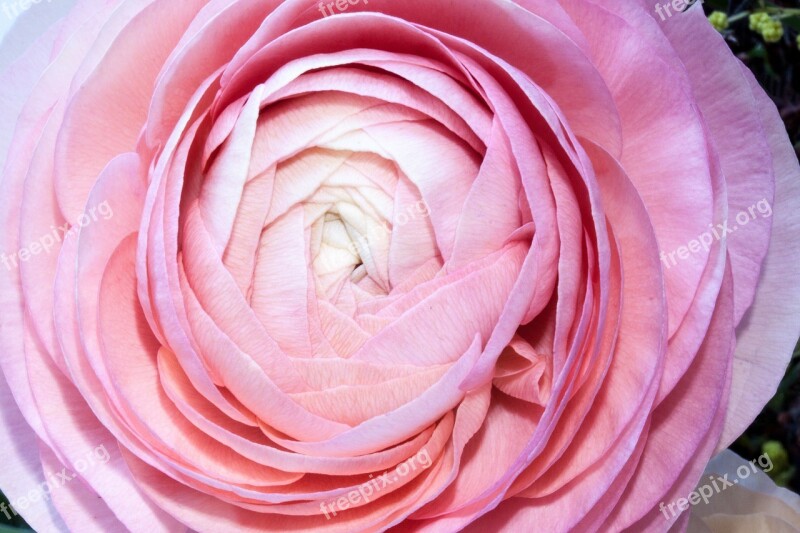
column 351, row 249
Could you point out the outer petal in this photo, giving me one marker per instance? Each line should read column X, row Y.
column 769, row 330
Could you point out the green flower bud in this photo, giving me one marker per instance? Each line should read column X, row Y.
column 778, row 456
column 773, row 31
column 719, row 20
column 757, row 21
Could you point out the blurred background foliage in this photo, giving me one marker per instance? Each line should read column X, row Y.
column 765, row 36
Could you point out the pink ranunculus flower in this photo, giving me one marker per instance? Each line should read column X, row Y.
column 352, row 266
